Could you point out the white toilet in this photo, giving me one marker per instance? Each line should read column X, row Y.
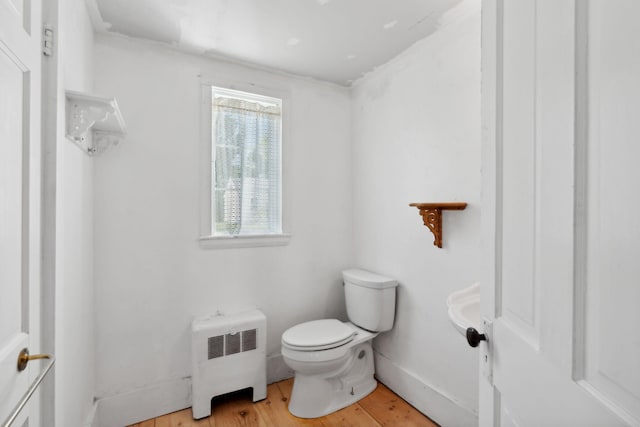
column 332, row 360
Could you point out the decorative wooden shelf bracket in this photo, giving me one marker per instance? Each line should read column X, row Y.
column 431, row 214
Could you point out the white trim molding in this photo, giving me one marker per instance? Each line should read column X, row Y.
column 144, row 403
column 161, row 398
column 253, row 241
column 425, row 397
column 92, row 419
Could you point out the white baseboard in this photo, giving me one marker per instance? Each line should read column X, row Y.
column 426, row 398
column 141, row 404
column 162, row 398
column 92, row 420
column 173, row 395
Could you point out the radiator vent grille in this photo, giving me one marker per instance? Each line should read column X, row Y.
column 231, row 344
column 249, row 340
column 225, row 345
column 216, row 347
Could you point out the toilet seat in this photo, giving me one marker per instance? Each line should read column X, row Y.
column 318, row 335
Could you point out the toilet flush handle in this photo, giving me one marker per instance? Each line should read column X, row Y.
column 474, row 337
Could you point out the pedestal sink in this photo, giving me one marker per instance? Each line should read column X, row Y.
column 464, row 309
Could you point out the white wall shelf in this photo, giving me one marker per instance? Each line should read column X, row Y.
column 99, row 118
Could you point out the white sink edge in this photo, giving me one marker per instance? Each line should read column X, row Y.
column 472, row 291
column 464, row 301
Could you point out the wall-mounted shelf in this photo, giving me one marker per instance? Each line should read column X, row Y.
column 100, row 116
column 431, row 214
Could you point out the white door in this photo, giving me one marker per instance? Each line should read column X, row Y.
column 561, row 146
column 20, row 247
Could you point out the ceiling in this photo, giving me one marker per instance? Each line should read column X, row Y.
column 332, row 40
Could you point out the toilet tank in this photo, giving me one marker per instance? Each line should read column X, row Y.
column 370, row 299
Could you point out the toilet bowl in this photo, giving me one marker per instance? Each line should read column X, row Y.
column 329, row 375
column 333, row 360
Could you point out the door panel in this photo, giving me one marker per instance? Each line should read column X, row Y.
column 14, row 308
column 613, row 199
column 518, row 301
column 563, row 118
column 11, row 232
column 20, row 249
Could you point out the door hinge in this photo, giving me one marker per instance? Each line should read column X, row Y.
column 486, row 351
column 47, row 40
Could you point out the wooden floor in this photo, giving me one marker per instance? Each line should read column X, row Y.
column 380, row 408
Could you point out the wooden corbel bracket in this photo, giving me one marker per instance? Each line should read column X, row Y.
column 431, row 214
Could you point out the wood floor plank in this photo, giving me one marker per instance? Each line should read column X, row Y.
column 380, row 408
column 147, row 423
column 182, row 418
column 390, row 410
column 351, row 416
column 236, row 410
column 274, row 410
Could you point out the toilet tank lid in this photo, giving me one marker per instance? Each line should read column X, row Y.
column 368, row 279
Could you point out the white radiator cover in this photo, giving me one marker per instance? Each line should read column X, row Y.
column 228, row 354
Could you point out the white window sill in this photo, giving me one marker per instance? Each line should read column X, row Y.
column 255, row 241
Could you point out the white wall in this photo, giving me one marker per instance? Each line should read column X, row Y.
column 152, row 277
column 416, row 138
column 74, row 294
column 407, row 132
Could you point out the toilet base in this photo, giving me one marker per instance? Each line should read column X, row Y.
column 314, row 396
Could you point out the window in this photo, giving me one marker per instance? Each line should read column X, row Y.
column 245, row 137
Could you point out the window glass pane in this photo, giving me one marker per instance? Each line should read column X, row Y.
column 246, row 163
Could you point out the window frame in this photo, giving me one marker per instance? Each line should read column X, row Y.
column 207, row 239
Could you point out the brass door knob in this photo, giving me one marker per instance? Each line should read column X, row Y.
column 24, row 358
